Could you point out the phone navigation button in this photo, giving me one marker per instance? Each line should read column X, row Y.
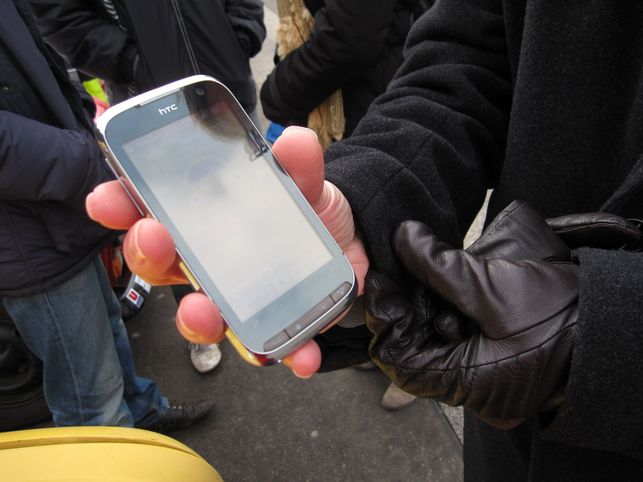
column 310, row 317
column 276, row 341
column 340, row 292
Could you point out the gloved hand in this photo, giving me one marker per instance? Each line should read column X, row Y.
column 495, row 331
column 519, row 232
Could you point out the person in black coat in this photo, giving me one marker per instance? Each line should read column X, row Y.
column 354, row 46
column 537, row 329
column 138, row 45
column 52, row 281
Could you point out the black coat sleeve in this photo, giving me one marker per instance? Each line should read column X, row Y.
column 427, row 150
column 347, row 39
column 82, row 33
column 246, row 18
column 433, row 143
column 604, row 394
column 63, row 165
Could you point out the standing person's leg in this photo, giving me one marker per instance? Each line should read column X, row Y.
column 141, row 395
column 148, row 408
column 493, row 455
column 68, row 328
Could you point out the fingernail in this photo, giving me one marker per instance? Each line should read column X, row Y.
column 186, row 332
column 138, row 253
column 87, row 205
column 288, row 363
column 303, row 377
column 308, row 131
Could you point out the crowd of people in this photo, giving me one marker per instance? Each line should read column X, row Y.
column 421, row 108
column 124, row 43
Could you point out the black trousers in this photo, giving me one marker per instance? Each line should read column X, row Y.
column 495, row 455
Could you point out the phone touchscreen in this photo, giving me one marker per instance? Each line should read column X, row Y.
column 232, row 211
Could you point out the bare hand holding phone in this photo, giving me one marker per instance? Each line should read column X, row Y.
column 150, row 250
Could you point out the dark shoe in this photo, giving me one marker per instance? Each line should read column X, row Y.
column 182, row 414
column 396, row 399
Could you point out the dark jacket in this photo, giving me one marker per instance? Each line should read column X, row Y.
column 155, row 42
column 49, row 162
column 355, row 46
column 540, row 101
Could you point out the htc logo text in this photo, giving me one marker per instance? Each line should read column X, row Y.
column 168, row 109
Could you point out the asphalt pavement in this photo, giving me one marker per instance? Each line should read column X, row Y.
column 269, row 426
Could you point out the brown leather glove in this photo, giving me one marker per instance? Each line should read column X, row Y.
column 519, row 232
column 495, row 330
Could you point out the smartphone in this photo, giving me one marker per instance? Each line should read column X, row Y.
column 190, row 157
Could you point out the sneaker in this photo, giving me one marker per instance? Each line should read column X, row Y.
column 396, row 399
column 181, row 414
column 205, row 358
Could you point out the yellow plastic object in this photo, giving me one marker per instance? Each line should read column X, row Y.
column 188, row 274
column 112, row 454
column 246, row 354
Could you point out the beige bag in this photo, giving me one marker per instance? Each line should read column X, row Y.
column 295, row 25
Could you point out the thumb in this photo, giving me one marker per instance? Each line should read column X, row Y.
column 460, row 278
column 452, row 273
column 499, row 294
column 301, row 155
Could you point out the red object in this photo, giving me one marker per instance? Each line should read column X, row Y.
column 101, row 106
column 133, row 295
column 107, row 257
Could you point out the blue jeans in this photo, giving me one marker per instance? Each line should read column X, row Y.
column 89, row 377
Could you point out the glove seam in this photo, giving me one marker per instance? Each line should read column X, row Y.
column 574, row 301
column 583, row 227
column 467, row 367
column 472, row 384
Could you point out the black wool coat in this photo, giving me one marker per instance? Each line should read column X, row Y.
column 355, row 46
column 172, row 39
column 541, row 101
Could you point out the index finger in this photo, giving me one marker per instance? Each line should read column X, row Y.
column 110, row 205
